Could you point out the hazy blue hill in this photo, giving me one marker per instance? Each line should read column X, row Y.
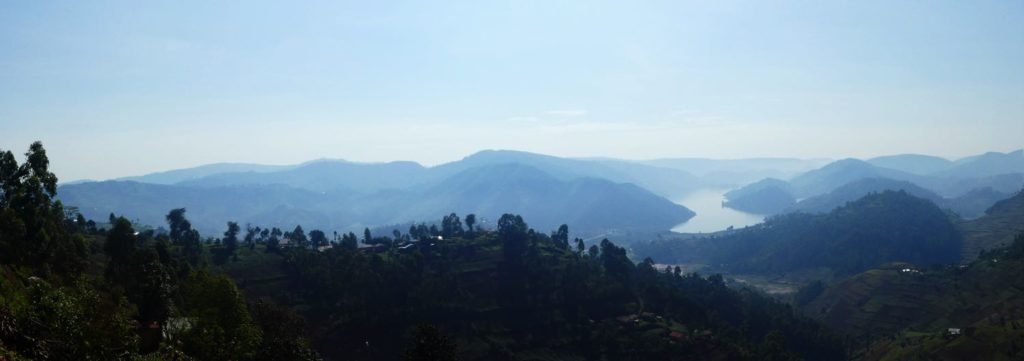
column 703, row 166
column 767, row 196
column 735, row 172
column 664, row 181
column 956, row 187
column 186, row 174
column 769, row 200
column 325, row 175
column 912, row 163
column 592, row 205
column 209, row 208
column 589, row 204
column 975, row 203
column 660, row 180
column 988, row 164
column 857, row 189
column 878, row 228
column 841, row 172
column 756, row 186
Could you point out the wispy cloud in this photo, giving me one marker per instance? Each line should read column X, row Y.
column 530, row 119
column 567, row 112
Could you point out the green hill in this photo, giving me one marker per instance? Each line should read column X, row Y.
column 996, row 228
column 896, row 314
column 874, row 230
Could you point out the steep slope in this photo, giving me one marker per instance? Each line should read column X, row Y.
column 907, row 313
column 912, row 163
column 996, row 228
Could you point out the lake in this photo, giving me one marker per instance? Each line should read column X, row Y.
column 711, row 216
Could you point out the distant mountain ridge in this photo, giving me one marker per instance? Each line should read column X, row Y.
column 967, row 186
column 186, row 174
column 379, row 194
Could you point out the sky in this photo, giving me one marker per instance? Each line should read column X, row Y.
column 117, row 88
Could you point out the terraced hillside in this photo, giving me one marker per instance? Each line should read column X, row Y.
column 996, row 229
column 900, row 312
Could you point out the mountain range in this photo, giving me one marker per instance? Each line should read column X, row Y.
column 966, row 186
column 621, row 195
column 596, row 196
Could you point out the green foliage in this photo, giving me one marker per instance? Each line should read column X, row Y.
column 219, row 324
column 283, row 333
column 54, row 307
column 73, row 322
column 536, row 297
column 32, row 225
column 451, row 226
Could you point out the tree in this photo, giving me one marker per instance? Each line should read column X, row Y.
column 561, row 237
column 179, row 225
column 349, row 241
column 283, row 333
column 222, row 328
column 367, row 237
column 512, row 232
column 33, row 228
column 318, row 238
column 231, row 237
column 299, row 237
column 251, row 234
column 451, row 226
column 120, row 247
column 470, row 222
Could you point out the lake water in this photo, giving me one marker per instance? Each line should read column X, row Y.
column 711, row 216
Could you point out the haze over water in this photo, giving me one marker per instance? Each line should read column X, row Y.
column 711, row 215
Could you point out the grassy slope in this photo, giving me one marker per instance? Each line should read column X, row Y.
column 996, row 229
column 904, row 314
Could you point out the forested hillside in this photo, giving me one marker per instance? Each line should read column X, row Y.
column 73, row 288
column 879, row 228
column 904, row 312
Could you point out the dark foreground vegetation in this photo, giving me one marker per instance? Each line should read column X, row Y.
column 72, row 288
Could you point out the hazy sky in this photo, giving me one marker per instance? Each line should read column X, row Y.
column 122, row 88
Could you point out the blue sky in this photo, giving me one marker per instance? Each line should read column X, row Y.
column 119, row 88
